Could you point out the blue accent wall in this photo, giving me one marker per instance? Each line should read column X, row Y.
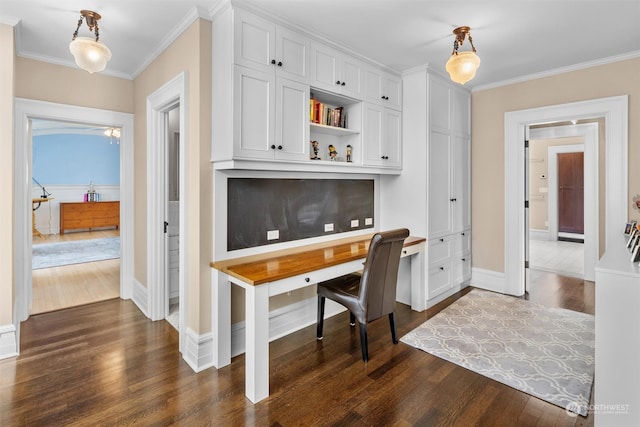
column 73, row 159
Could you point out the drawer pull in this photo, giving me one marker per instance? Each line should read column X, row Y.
column 404, row 251
column 463, row 259
column 306, row 279
column 441, row 268
column 442, row 239
column 462, row 233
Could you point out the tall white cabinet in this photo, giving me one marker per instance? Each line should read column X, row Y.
column 436, row 139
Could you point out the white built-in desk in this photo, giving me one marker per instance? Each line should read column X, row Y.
column 273, row 273
column 617, row 370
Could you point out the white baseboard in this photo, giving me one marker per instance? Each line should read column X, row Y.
column 198, row 351
column 538, row 234
column 139, row 297
column 8, row 341
column 285, row 320
column 489, row 280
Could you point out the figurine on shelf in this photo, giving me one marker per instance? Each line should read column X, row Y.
column 332, row 152
column 349, row 153
column 314, row 147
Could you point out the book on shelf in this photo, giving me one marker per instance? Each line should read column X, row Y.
column 324, row 114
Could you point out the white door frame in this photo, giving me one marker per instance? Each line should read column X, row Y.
column 615, row 112
column 25, row 111
column 158, row 103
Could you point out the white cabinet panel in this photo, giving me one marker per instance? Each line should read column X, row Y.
column 325, row 67
column 351, row 77
column 440, row 205
column 292, row 120
column 253, row 114
column 382, row 136
column 254, row 42
column 292, row 55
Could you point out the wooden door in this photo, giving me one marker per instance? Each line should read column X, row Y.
column 571, row 192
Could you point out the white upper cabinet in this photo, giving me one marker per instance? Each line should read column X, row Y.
column 334, row 71
column 264, row 46
column 382, row 88
column 382, row 136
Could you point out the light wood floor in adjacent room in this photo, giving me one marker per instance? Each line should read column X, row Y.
column 56, row 288
column 107, row 364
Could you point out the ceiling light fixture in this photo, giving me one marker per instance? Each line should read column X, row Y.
column 462, row 66
column 90, row 55
column 113, row 133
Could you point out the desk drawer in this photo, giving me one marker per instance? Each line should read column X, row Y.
column 410, row 250
column 300, row 281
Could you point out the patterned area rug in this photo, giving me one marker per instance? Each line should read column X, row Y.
column 57, row 254
column 545, row 352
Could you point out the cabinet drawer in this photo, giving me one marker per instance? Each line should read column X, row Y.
column 461, row 269
column 410, row 250
column 439, row 280
column 106, row 222
column 461, row 242
column 439, row 250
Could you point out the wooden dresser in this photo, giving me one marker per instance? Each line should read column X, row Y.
column 89, row 215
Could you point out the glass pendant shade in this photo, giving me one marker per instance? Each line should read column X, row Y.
column 90, row 55
column 462, row 66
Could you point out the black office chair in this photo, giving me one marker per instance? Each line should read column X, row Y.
column 372, row 294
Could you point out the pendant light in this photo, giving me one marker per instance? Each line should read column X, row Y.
column 462, row 66
column 90, row 55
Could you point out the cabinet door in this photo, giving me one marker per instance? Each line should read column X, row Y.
column 461, row 184
column 372, row 134
column 351, row 83
column 392, row 141
column 292, row 120
column 292, row 55
column 325, row 67
column 439, row 187
column 373, row 85
column 392, row 92
column 254, row 42
column 253, row 111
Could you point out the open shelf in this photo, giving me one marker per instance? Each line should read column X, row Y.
column 332, row 130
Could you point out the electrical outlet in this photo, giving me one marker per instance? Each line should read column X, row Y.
column 368, row 221
column 273, row 234
column 355, row 223
column 328, row 227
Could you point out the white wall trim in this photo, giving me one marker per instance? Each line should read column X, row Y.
column 198, row 351
column 286, row 320
column 8, row 341
column 488, row 280
column 158, row 103
column 25, row 110
column 615, row 113
column 140, row 298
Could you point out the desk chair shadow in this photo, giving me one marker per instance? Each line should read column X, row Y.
column 372, row 294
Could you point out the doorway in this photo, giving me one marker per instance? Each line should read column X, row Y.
column 550, row 249
column 172, row 246
column 614, row 110
column 26, row 111
column 77, row 262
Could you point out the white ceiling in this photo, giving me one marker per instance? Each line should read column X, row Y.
column 514, row 38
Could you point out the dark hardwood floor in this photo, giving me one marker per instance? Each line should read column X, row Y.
column 106, row 364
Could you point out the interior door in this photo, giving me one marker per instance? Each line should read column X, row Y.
column 571, row 192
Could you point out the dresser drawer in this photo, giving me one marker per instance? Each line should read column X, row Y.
column 301, row 281
column 461, row 242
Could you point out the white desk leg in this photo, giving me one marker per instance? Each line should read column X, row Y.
column 257, row 345
column 419, row 280
column 221, row 318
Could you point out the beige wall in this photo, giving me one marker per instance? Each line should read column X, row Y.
column 72, row 86
column 7, row 56
column 191, row 52
column 487, row 144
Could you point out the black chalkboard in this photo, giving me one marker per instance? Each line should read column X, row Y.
column 297, row 208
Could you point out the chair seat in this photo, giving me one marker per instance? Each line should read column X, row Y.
column 343, row 289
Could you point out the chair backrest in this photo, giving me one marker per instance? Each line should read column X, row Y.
column 380, row 274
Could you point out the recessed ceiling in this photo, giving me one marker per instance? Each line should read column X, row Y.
column 513, row 38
